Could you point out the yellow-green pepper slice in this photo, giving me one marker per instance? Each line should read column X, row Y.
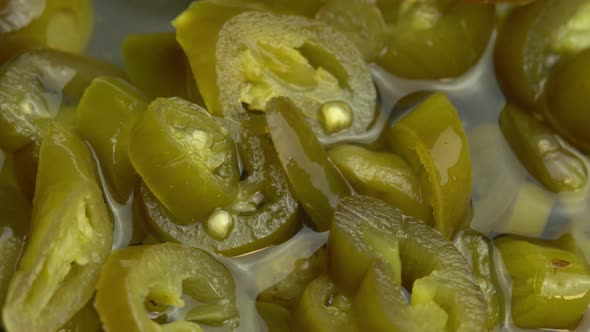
column 567, row 106
column 64, row 25
column 530, row 41
column 34, row 85
column 158, row 66
column 71, row 235
column 186, row 158
column 257, row 56
column 316, row 183
column 374, row 250
column 276, row 317
column 550, row 281
column 431, row 138
column 263, row 213
column 140, row 285
column 541, row 152
column 107, row 112
column 383, row 175
column 434, row 39
column 479, row 253
column 85, row 320
column 15, row 216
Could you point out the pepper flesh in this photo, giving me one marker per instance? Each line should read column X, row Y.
column 71, row 235
column 316, row 183
column 106, row 114
column 143, row 281
column 432, row 140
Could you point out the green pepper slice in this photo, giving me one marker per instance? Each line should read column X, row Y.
column 263, row 213
column 374, row 250
column 276, row 317
column 85, row 320
column 70, row 238
column 541, row 152
column 64, row 25
column 106, row 114
column 434, row 39
column 383, row 175
column 316, row 183
column 530, row 41
column 15, row 216
column 550, row 281
column 567, row 105
column 146, row 282
column 158, row 66
column 303, row 59
column 34, row 85
column 324, row 308
column 186, row 158
column 431, row 138
column 478, row 251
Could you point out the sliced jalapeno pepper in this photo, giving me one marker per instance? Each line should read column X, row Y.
column 157, row 65
column 550, row 281
column 374, row 250
column 107, row 112
column 146, row 282
column 540, row 151
column 303, row 59
column 71, row 235
column 316, row 183
column 383, row 175
column 34, row 85
column 64, row 25
column 432, row 140
column 186, row 158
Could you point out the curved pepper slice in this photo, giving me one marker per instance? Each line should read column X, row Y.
column 157, row 65
column 186, row 158
column 478, row 251
column 64, row 25
column 263, row 213
column 550, row 281
column 374, row 250
column 85, row 320
column 106, row 114
column 382, row 175
column 323, row 308
column 165, row 287
column 432, row 140
column 567, row 106
column 34, row 85
column 276, row 317
column 530, row 41
column 15, row 216
column 434, row 39
column 541, row 152
column 71, row 235
column 303, row 59
column 316, row 183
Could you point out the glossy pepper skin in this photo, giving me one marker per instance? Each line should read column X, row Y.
column 263, row 213
column 382, row 175
column 316, row 183
column 567, row 109
column 71, row 235
column 530, row 41
column 157, row 65
column 15, row 217
column 432, row 140
column 279, row 55
column 143, row 281
column 34, row 85
column 107, row 112
column 374, row 250
column 541, row 152
column 186, row 158
column 550, row 281
column 479, row 253
column 64, row 25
